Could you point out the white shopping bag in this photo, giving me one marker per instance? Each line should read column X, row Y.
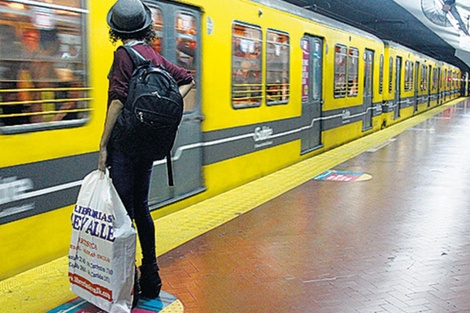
column 102, row 248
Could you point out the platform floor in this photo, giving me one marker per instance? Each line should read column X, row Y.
column 398, row 242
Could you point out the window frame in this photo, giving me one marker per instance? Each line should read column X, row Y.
column 253, row 92
column 63, row 99
column 424, row 77
column 340, row 71
column 353, row 78
column 409, row 75
column 282, row 83
column 435, row 81
column 186, row 51
column 381, row 74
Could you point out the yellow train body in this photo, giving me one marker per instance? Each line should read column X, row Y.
column 228, row 139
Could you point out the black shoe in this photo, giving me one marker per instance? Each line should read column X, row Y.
column 150, row 281
column 137, row 290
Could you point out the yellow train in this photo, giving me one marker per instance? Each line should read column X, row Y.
column 275, row 84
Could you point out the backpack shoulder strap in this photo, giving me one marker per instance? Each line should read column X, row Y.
column 136, row 57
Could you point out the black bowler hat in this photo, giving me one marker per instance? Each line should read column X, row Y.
column 129, row 16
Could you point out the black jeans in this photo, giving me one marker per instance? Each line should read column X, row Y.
column 131, row 178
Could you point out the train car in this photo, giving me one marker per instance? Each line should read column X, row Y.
column 404, row 95
column 456, row 82
column 464, row 85
column 275, row 84
column 351, row 101
column 450, row 82
column 423, row 80
column 416, row 83
column 49, row 125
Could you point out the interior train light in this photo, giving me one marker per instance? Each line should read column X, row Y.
column 16, row 6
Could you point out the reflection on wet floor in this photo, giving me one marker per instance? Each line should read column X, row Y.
column 399, row 242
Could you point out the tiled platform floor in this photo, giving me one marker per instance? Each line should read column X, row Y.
column 399, row 242
column 396, row 243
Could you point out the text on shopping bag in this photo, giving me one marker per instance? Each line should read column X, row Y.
column 94, row 223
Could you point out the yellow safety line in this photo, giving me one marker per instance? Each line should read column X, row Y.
column 45, row 287
column 175, row 307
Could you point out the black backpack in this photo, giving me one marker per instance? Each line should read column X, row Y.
column 153, row 110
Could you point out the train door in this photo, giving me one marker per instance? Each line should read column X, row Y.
column 444, row 85
column 465, row 84
column 439, row 96
column 178, row 38
column 429, row 80
column 368, row 106
column 312, row 68
column 397, row 88
column 416, row 88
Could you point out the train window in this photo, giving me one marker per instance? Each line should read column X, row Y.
column 353, row 69
column 158, row 25
column 277, row 67
column 421, row 81
column 434, row 79
column 340, row 71
column 43, row 68
column 186, row 44
column 409, row 67
column 390, row 76
column 407, row 76
column 411, row 73
column 438, row 80
column 246, row 66
column 305, row 45
column 424, row 77
column 444, row 79
column 429, row 77
column 381, row 74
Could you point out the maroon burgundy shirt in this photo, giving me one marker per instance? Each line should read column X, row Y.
column 122, row 68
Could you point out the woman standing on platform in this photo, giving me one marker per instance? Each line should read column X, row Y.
column 130, row 21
